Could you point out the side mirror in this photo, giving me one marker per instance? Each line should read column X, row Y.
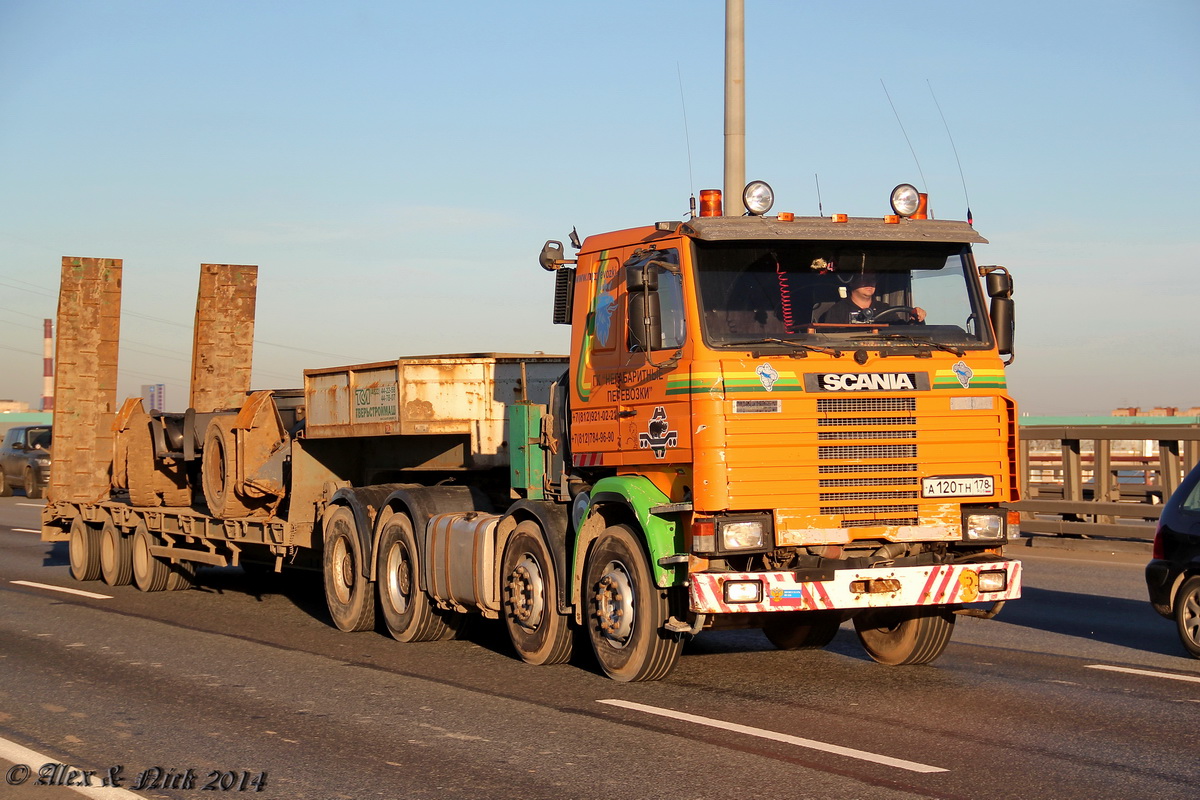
column 1000, row 289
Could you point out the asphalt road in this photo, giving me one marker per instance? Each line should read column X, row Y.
column 1079, row 690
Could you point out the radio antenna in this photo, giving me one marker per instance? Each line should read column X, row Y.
column 687, row 141
column 924, row 183
column 820, row 208
column 962, row 177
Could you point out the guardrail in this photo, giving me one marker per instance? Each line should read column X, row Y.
column 1104, row 481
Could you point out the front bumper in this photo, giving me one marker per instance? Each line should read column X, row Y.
column 941, row 584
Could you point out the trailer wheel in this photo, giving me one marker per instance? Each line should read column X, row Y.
column 538, row 631
column 407, row 611
column 626, row 611
column 183, row 576
column 150, row 573
column 896, row 636
column 802, row 630
column 83, row 546
column 347, row 590
column 116, row 556
column 1187, row 615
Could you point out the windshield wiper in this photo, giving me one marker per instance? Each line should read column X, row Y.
column 808, row 348
column 903, row 338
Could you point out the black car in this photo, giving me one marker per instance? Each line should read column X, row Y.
column 25, row 460
column 1173, row 574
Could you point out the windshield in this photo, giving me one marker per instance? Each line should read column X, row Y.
column 838, row 293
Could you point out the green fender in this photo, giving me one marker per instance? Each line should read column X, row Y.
column 664, row 536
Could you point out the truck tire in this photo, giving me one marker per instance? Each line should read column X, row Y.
column 540, row 634
column 218, row 471
column 32, row 490
column 116, row 556
column 5, row 489
column 802, row 630
column 150, row 573
column 897, row 636
column 183, row 576
column 347, row 590
column 1187, row 615
column 626, row 611
column 83, row 547
column 408, row 612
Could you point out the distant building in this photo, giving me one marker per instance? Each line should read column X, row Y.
column 13, row 407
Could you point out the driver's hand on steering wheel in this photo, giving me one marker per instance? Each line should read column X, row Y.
column 918, row 314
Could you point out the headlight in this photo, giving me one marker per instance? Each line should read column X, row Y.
column 743, row 534
column 906, row 199
column 743, row 592
column 42, row 461
column 986, row 526
column 993, row 581
column 758, row 198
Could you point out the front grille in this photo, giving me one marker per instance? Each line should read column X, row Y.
column 825, row 436
column 880, row 418
column 834, row 483
column 866, row 451
column 837, row 497
column 831, row 469
column 850, row 405
column 859, row 422
column 897, row 509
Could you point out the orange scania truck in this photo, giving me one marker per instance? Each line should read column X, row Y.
column 765, row 421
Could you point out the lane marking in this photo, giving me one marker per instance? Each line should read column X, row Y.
column 25, row 530
column 811, row 744
column 79, row 592
column 15, row 753
column 1151, row 673
column 32, row 505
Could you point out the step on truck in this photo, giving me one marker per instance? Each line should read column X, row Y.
column 765, row 421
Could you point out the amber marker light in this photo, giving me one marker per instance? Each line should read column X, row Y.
column 841, row 217
column 786, row 216
column 892, row 219
column 710, row 203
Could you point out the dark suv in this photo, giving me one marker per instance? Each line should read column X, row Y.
column 1173, row 574
column 25, row 460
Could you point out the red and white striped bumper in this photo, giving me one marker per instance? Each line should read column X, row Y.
column 856, row 588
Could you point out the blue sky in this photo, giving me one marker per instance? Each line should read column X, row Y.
column 394, row 167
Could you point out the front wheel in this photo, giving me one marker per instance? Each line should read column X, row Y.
column 896, row 636
column 1187, row 615
column 538, row 631
column 347, row 590
column 626, row 611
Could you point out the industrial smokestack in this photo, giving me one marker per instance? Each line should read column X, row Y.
column 48, row 365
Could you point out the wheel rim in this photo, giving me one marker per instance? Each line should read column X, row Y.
column 614, row 604
column 1189, row 622
column 526, row 589
column 77, row 550
column 141, row 556
column 29, row 483
column 343, row 569
column 399, row 578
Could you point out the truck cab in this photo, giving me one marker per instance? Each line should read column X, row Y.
column 804, row 418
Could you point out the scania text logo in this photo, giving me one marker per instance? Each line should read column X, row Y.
column 867, row 382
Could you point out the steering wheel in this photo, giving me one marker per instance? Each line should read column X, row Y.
column 909, row 312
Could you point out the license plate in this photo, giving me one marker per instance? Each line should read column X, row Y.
column 958, row 486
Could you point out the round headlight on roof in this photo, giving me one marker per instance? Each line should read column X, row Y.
column 758, row 198
column 906, row 200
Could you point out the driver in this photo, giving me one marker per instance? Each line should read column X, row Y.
column 861, row 307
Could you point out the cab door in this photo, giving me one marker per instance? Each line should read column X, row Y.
column 653, row 420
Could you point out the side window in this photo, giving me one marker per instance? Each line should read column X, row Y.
column 1191, row 503
column 655, row 285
